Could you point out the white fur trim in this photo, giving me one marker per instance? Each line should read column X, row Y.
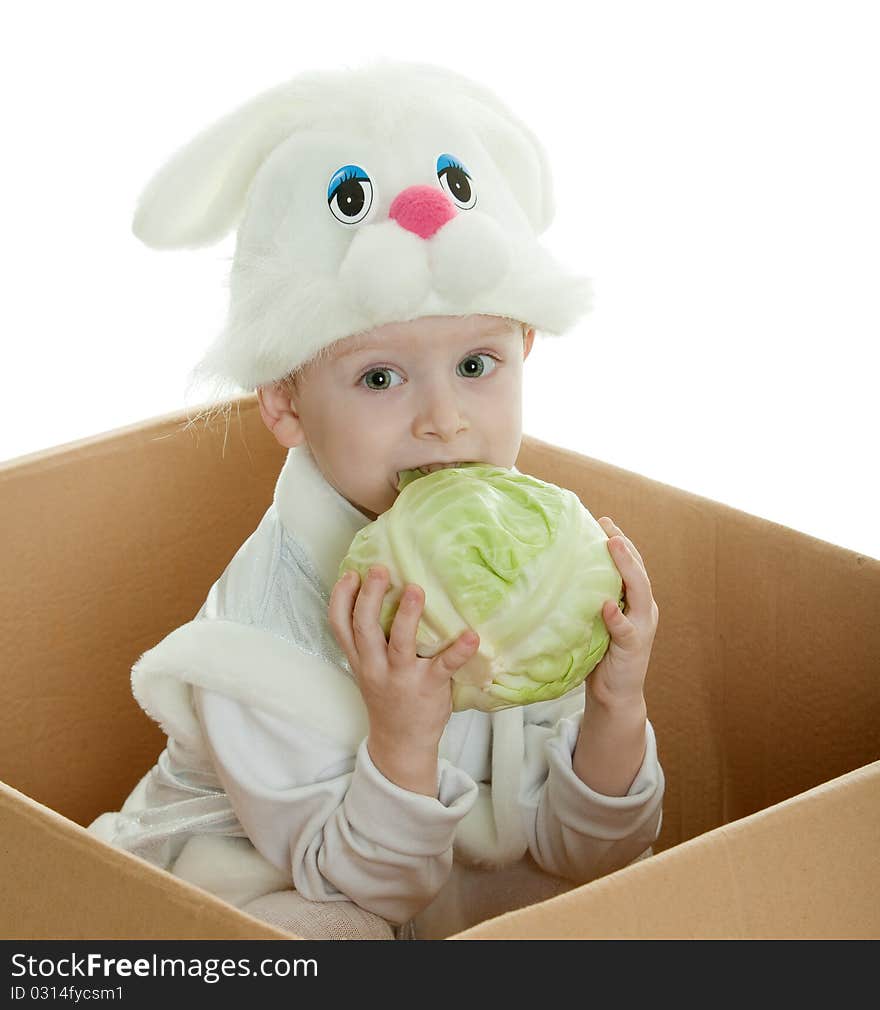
column 251, row 666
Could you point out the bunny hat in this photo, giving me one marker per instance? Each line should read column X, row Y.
column 362, row 197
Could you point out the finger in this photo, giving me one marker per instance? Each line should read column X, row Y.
column 617, row 623
column 611, row 529
column 340, row 610
column 635, row 579
column 368, row 634
column 402, row 640
column 452, row 658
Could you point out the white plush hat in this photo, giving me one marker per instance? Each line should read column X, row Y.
column 362, row 197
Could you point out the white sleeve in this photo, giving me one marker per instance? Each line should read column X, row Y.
column 575, row 832
column 334, row 821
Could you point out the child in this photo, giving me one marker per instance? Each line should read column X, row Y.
column 315, row 775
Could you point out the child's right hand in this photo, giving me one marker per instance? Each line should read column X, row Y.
column 408, row 697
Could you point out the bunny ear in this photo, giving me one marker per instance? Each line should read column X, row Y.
column 198, row 196
column 514, row 147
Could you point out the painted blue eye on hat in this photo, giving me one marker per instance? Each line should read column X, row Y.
column 456, row 180
column 350, row 194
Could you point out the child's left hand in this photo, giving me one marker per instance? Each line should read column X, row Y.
column 619, row 678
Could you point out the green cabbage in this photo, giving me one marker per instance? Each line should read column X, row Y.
column 519, row 560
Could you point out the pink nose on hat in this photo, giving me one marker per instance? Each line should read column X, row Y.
column 422, row 209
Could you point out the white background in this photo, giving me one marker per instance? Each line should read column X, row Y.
column 716, row 170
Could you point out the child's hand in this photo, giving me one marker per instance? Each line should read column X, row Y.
column 620, row 676
column 408, row 698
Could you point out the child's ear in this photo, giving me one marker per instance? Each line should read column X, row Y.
column 528, row 340
column 279, row 415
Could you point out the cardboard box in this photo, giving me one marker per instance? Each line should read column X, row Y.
column 764, row 691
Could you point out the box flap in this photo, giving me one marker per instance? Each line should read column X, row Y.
column 61, row 883
column 804, row 869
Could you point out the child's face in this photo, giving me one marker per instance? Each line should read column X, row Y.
column 437, row 389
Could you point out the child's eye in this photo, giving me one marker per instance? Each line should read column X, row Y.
column 474, row 368
column 471, row 367
column 380, row 376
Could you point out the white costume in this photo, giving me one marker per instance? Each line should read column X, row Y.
column 267, row 742
column 361, row 197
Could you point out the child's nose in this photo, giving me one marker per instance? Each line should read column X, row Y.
column 422, row 210
column 440, row 416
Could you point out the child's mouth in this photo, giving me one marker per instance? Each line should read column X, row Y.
column 428, row 468
column 431, row 467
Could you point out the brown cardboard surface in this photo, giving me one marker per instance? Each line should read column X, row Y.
column 763, row 684
column 109, row 544
column 802, row 869
column 57, row 884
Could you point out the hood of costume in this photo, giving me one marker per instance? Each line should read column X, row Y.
column 362, row 197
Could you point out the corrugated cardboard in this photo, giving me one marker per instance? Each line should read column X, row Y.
column 764, row 691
